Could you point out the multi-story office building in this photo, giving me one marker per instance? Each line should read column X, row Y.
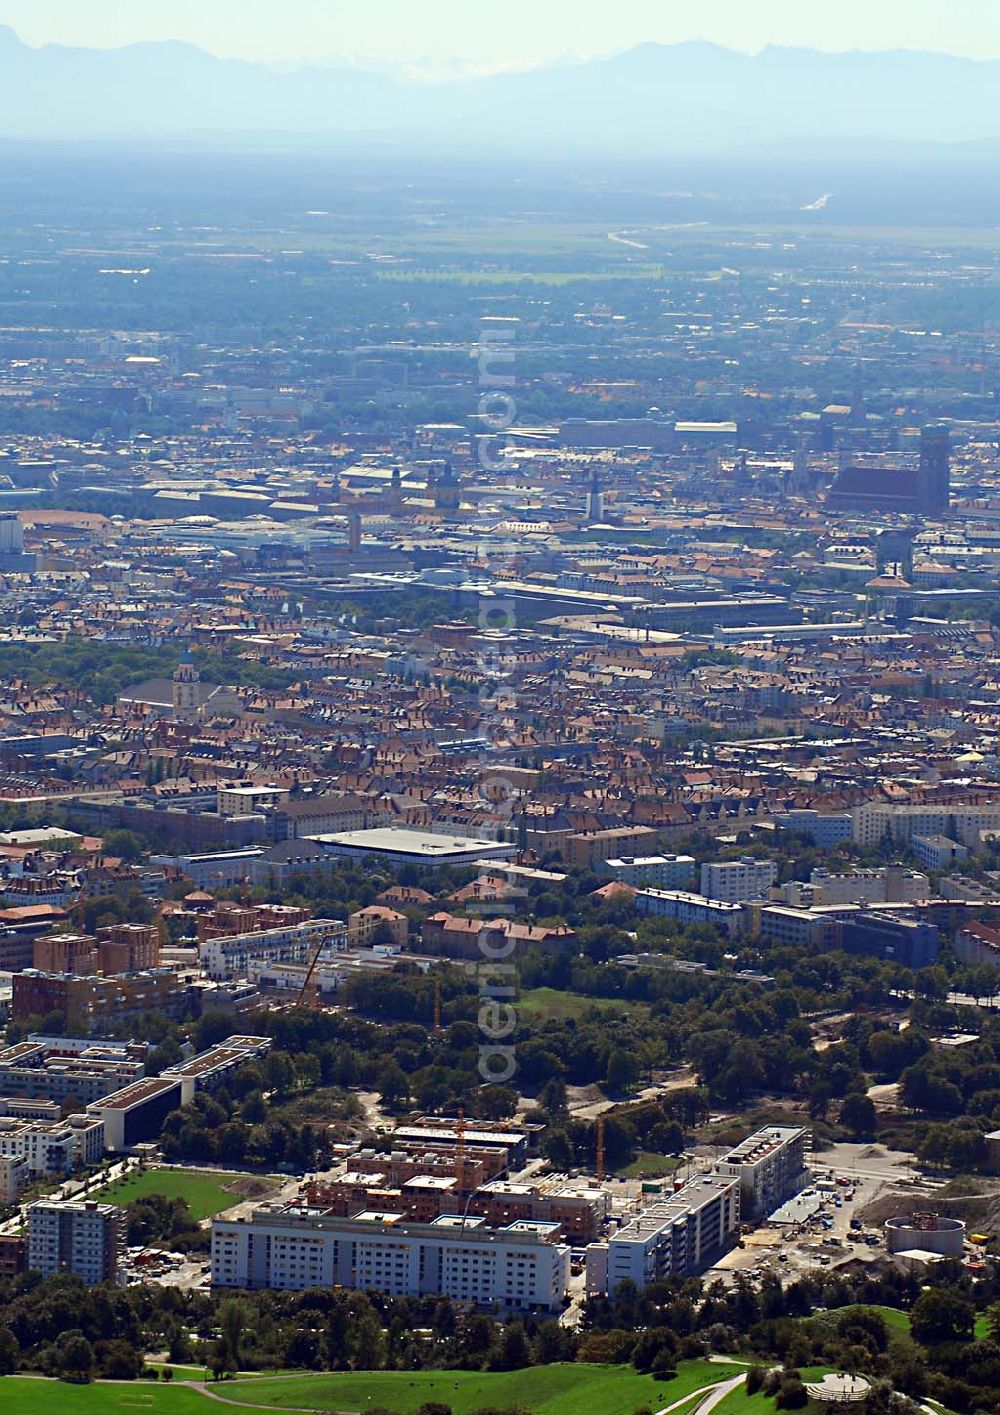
column 672, row 1238
column 801, row 928
column 770, row 1166
column 913, row 943
column 136, row 1114
column 735, row 881
column 81, row 1238
column 521, row 1267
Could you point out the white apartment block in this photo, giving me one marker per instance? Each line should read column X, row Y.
column 770, row 1166
column 937, row 852
column 70, row 1237
column 657, row 871
column 235, row 956
column 736, row 881
column 15, row 1175
column 249, row 800
column 672, row 1238
column 53, row 1148
column 874, row 821
column 521, row 1267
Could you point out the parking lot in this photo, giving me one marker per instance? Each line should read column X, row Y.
column 846, row 1178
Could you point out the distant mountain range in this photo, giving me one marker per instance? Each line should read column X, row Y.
column 651, row 99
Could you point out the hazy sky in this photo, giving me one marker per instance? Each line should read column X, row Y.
column 501, row 32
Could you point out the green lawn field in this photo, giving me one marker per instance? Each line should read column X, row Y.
column 546, row 1390
column 737, row 1402
column 22, row 1395
column 204, row 1190
column 894, row 1319
column 648, row 1165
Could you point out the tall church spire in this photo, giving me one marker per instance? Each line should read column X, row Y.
column 186, row 680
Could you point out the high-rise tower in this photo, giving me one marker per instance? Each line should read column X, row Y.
column 595, row 500
column 934, row 476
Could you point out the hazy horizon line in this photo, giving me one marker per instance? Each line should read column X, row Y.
column 425, row 65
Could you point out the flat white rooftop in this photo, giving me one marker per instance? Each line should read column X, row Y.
column 419, row 844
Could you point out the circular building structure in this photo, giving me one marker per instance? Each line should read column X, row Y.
column 925, row 1233
column 836, row 1388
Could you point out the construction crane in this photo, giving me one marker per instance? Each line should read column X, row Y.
column 77, row 911
column 313, row 962
column 460, row 1150
column 599, row 1159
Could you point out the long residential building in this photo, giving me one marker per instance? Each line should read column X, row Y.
column 95, row 1003
column 691, row 909
column 238, row 955
column 673, row 1238
column 770, row 1166
column 212, row 1068
column 35, row 1070
column 978, row 945
column 521, row 1267
column 959, row 821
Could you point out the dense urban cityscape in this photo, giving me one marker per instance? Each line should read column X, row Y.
column 499, row 791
